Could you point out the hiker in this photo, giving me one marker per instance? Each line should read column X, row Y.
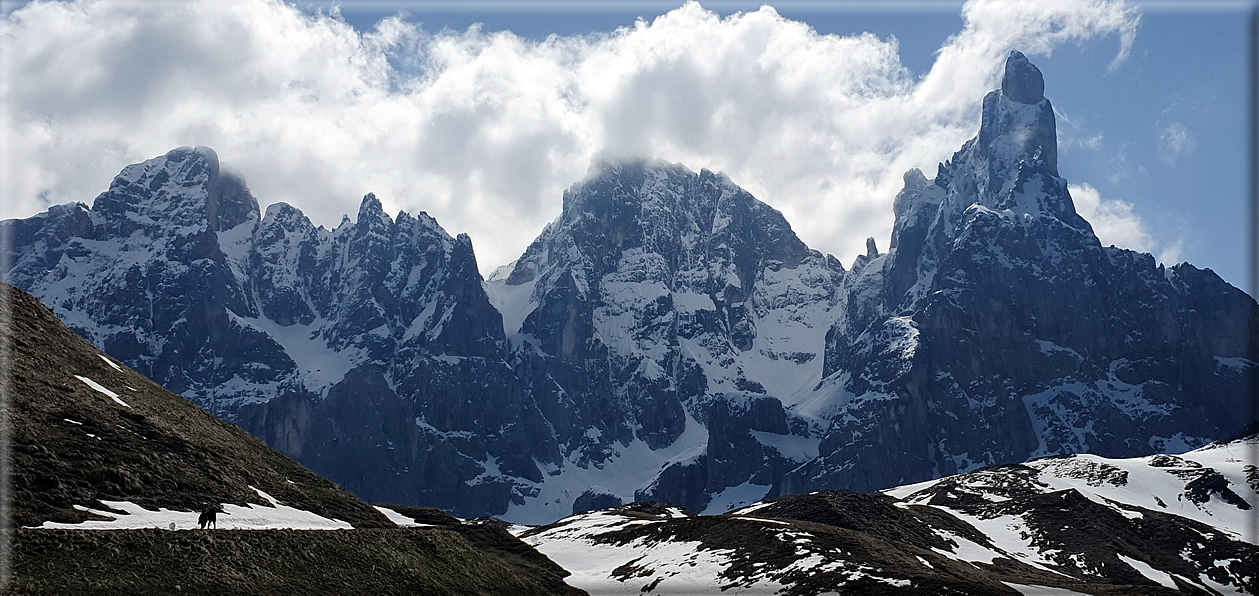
column 209, row 517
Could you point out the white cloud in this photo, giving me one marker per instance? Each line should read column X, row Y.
column 1094, row 142
column 1117, row 223
column 1172, row 254
column 1174, row 141
column 484, row 130
column 1072, row 135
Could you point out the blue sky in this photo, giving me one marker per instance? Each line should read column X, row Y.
column 1151, row 127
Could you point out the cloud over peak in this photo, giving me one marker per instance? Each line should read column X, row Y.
column 485, row 129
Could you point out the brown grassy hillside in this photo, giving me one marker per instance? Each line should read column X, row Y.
column 72, row 445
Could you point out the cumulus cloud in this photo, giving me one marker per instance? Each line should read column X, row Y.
column 1117, row 223
column 485, row 129
column 1114, row 221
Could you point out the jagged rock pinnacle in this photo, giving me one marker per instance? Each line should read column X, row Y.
column 1018, row 121
column 1022, row 81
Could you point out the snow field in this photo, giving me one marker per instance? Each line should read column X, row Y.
column 274, row 516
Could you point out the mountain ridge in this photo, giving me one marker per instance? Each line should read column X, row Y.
column 1161, row 524
column 667, row 337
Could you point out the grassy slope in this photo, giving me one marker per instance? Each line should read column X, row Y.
column 164, row 451
column 398, row 561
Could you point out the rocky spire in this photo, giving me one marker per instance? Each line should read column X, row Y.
column 1018, row 121
column 370, row 208
column 1022, row 81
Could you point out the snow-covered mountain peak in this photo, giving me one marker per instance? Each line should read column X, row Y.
column 185, row 187
column 1013, row 132
column 700, row 305
column 996, row 301
column 190, row 161
column 610, row 182
column 1008, row 171
column 283, row 214
column 371, row 210
column 668, row 337
column 1017, row 133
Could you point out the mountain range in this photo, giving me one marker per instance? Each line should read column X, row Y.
column 667, row 338
column 109, row 473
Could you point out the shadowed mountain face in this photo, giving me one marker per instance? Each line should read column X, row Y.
column 85, row 431
column 354, row 350
column 97, row 446
column 998, row 328
column 668, row 337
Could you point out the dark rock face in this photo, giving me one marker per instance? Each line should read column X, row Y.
column 358, row 350
column 668, row 337
column 999, row 329
column 594, row 499
column 372, row 353
column 655, row 296
column 1022, row 81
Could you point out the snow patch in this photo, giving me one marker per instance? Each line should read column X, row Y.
column 400, row 520
column 793, row 447
column 630, row 468
column 1034, row 590
column 111, row 363
column 515, row 303
column 98, row 387
column 736, row 496
column 1149, row 572
column 319, row 365
column 233, row 517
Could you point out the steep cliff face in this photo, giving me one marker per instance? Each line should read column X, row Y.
column 358, row 350
column 141, row 274
column 667, row 337
column 997, row 328
column 660, row 301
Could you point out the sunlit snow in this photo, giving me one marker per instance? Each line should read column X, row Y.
column 111, row 363
column 634, row 466
column 399, row 519
column 98, row 387
column 233, row 517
